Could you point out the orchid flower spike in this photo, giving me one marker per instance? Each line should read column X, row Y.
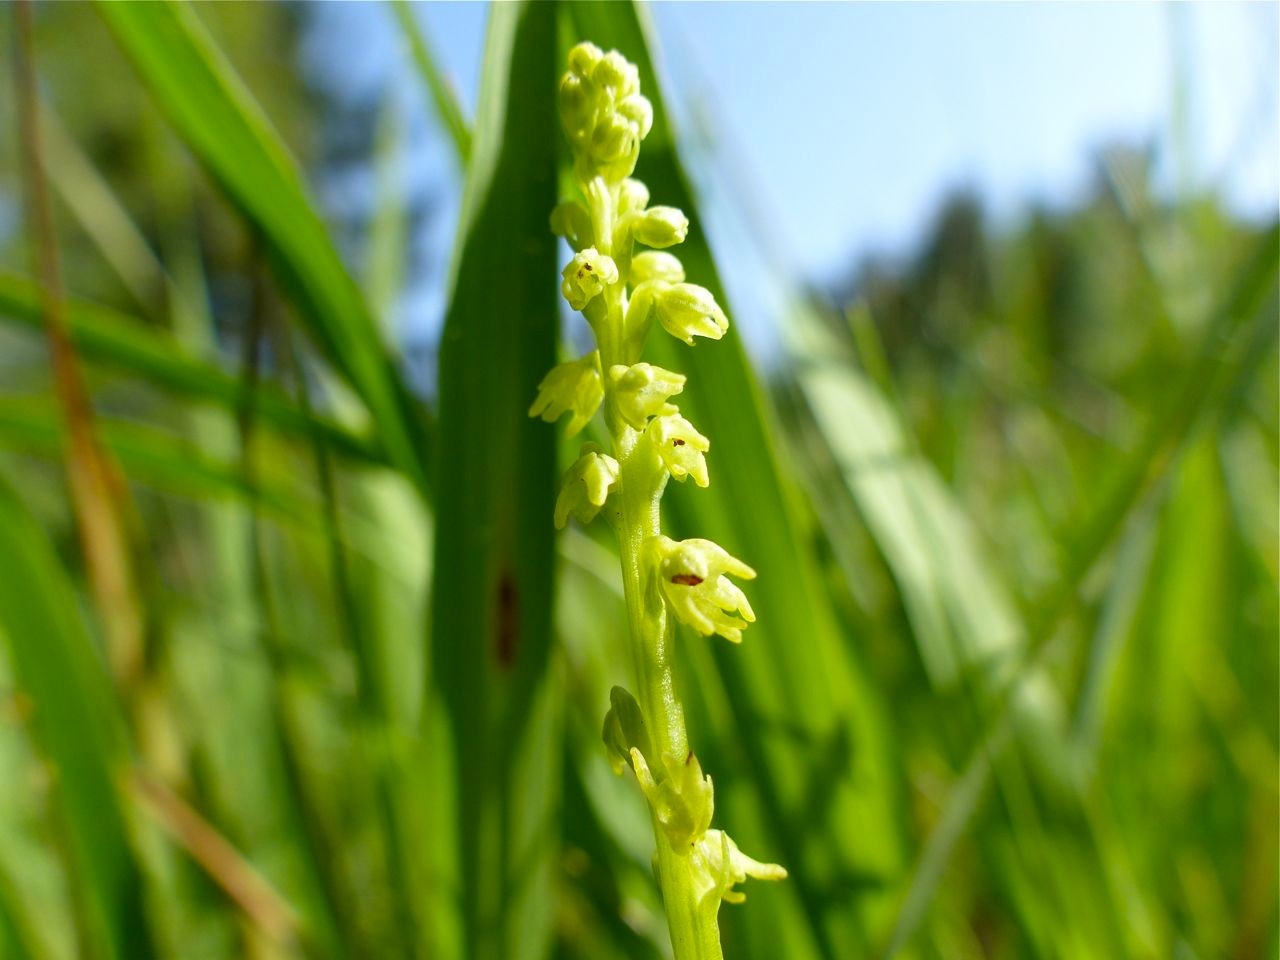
column 623, row 289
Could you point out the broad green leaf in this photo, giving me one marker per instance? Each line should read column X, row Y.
column 222, row 124
column 77, row 728
column 493, row 716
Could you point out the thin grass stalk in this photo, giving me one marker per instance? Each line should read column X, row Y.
column 97, row 489
column 442, row 93
column 247, row 888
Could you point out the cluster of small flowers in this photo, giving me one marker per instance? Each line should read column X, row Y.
column 621, row 293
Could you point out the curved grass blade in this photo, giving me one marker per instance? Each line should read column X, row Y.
column 442, row 93
column 151, row 456
column 107, row 336
column 492, row 713
column 78, row 729
column 222, row 124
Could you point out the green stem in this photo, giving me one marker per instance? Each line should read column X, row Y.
column 694, row 932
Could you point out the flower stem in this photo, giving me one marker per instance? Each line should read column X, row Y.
column 695, row 934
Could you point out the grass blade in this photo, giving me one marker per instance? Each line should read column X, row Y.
column 105, row 335
column 77, row 727
column 442, row 93
column 227, row 131
column 493, row 717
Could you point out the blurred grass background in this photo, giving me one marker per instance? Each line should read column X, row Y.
column 293, row 665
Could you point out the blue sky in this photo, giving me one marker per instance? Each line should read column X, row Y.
column 856, row 117
column 849, row 122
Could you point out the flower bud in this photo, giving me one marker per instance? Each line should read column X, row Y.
column 572, row 386
column 680, row 447
column 616, row 74
column 661, row 227
column 613, row 138
column 584, row 57
column 575, row 98
column 586, row 275
column 640, row 391
column 655, row 265
column 639, row 111
column 624, row 729
column 632, row 196
column 585, row 486
column 681, row 797
column 571, row 221
column 687, row 310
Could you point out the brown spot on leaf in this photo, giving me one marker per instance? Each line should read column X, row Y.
column 507, row 621
column 687, row 579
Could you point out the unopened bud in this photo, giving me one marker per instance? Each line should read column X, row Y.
column 687, row 310
column 639, row 111
column 584, row 57
column 614, row 72
column 632, row 196
column 575, row 98
column 661, row 227
column 571, row 221
column 613, row 138
column 655, row 265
